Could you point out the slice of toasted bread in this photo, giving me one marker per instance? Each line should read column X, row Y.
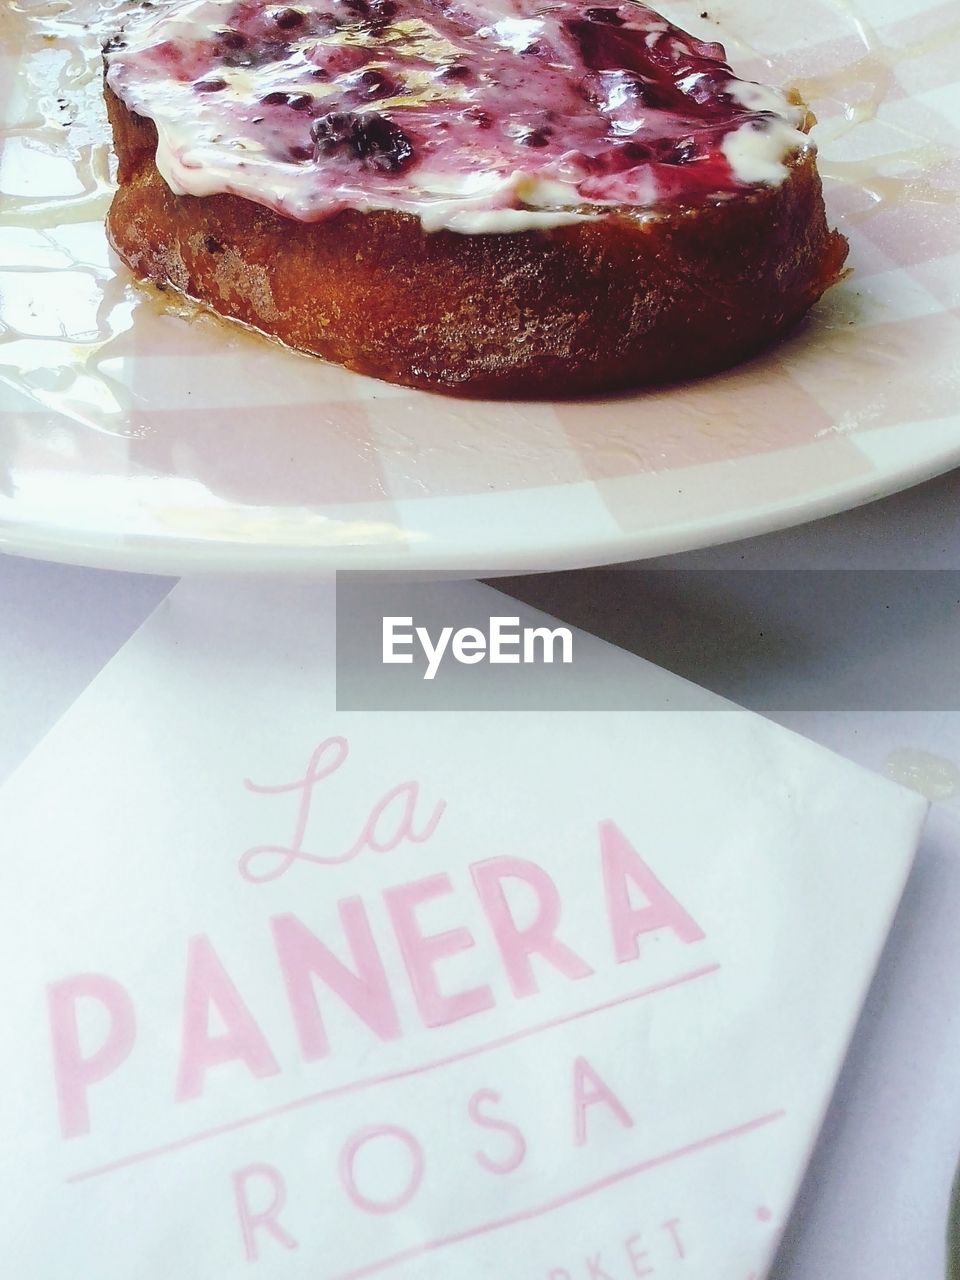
column 630, row 297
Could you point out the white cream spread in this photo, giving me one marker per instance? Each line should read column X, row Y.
column 476, row 117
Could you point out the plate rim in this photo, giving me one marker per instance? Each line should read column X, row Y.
column 172, row 555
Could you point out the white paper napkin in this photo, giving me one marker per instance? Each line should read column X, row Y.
column 527, row 997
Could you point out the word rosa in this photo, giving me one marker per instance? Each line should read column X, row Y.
column 635, row 904
column 493, row 1144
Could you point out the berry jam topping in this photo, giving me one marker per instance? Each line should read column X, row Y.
column 477, row 115
column 288, row 19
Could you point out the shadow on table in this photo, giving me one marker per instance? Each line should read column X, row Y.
column 776, row 640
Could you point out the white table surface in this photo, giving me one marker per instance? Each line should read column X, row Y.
column 874, row 1205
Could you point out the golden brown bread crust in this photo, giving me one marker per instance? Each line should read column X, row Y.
column 592, row 306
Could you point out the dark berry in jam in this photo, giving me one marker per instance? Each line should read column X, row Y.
column 456, row 71
column 536, row 138
column 271, row 51
column 333, row 131
column 297, row 101
column 619, row 159
column 372, row 138
column 210, row 86
column 288, row 19
column 383, row 10
column 259, row 55
column 232, row 39
column 610, row 16
column 382, row 144
column 374, row 84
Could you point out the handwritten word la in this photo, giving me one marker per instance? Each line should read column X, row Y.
column 391, row 822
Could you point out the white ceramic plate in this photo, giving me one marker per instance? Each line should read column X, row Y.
column 136, row 435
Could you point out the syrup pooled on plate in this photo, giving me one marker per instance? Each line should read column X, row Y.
column 478, row 117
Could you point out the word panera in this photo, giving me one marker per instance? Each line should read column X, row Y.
column 506, row 643
column 349, row 965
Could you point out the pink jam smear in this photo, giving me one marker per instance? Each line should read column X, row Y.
column 444, row 107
